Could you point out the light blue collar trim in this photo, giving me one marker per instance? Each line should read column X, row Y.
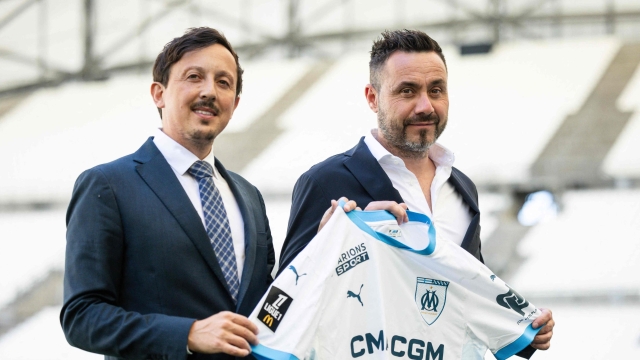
column 360, row 218
column 515, row 347
column 262, row 352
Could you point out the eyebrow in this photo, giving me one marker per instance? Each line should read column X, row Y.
column 413, row 84
column 403, row 84
column 437, row 82
column 193, row 67
column 225, row 73
column 202, row 70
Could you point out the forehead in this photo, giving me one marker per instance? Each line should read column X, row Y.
column 211, row 58
column 402, row 66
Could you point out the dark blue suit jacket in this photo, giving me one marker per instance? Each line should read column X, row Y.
column 357, row 175
column 139, row 265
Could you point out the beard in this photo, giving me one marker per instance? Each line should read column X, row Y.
column 200, row 137
column 395, row 134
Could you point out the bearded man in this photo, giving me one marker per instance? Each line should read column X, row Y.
column 400, row 161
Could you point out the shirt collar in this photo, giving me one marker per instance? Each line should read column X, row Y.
column 178, row 157
column 439, row 154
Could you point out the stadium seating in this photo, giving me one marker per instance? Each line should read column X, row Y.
column 41, row 338
column 623, row 159
column 588, row 250
column 32, row 244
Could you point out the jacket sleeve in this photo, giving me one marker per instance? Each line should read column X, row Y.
column 91, row 317
column 308, row 205
column 271, row 255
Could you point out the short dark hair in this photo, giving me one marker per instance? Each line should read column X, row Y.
column 399, row 40
column 193, row 39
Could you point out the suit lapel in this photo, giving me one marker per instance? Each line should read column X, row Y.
column 366, row 169
column 463, row 189
column 157, row 173
column 250, row 235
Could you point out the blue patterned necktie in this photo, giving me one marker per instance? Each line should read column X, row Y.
column 217, row 224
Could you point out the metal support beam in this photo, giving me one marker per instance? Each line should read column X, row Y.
column 293, row 27
column 610, row 19
column 460, row 23
column 90, row 69
column 531, row 21
column 139, row 30
column 16, row 12
column 247, row 27
column 43, row 38
column 27, row 60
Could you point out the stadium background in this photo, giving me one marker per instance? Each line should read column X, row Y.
column 544, row 117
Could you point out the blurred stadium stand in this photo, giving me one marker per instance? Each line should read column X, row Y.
column 554, row 105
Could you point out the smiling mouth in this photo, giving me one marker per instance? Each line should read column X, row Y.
column 205, row 112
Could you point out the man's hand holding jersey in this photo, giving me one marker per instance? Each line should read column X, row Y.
column 398, row 210
column 542, row 341
column 224, row 332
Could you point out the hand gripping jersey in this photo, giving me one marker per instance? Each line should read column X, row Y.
column 367, row 288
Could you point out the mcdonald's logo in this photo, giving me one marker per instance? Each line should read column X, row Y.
column 268, row 320
column 274, row 308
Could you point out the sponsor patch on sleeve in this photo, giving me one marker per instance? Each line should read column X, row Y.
column 274, row 308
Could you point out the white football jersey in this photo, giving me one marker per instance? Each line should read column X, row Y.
column 367, row 288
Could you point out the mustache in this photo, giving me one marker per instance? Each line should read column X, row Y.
column 209, row 103
column 422, row 118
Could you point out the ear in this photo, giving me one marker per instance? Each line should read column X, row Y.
column 157, row 92
column 372, row 97
column 235, row 106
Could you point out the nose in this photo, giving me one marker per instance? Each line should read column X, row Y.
column 424, row 105
column 208, row 90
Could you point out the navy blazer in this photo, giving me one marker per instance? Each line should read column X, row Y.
column 140, row 268
column 357, row 175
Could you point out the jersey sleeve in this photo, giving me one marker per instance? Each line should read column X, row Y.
column 288, row 315
column 498, row 315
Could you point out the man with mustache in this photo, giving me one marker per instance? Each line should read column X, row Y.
column 167, row 252
column 400, row 161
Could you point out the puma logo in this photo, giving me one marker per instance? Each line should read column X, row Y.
column 292, row 268
column 350, row 294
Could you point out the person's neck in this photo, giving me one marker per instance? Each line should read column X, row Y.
column 416, row 163
column 199, row 148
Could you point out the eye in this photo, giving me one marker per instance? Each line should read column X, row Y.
column 224, row 83
column 193, row 76
column 406, row 91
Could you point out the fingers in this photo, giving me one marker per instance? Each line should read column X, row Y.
column 349, row 205
column 542, row 341
column 327, row 214
column 246, row 329
column 224, row 332
column 544, row 318
column 398, row 210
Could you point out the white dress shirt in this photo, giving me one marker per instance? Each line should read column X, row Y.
column 451, row 215
column 180, row 159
